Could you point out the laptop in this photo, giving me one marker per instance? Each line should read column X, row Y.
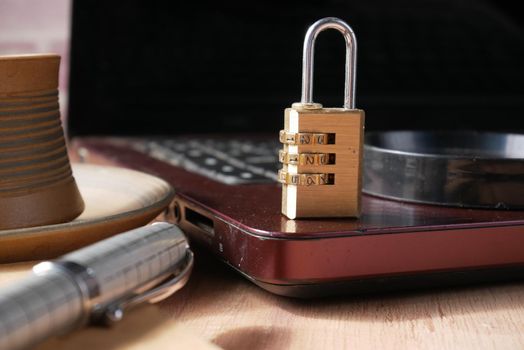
column 195, row 94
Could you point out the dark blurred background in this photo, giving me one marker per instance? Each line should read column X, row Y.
column 155, row 67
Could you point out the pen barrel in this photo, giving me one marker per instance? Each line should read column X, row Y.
column 37, row 307
column 64, row 294
column 118, row 266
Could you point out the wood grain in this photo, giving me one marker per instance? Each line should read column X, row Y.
column 236, row 314
column 219, row 306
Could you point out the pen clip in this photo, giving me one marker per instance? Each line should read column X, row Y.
column 114, row 312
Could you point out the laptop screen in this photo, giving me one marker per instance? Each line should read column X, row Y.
column 146, row 68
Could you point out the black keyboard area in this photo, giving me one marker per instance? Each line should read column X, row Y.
column 231, row 161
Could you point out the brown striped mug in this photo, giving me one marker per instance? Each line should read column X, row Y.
column 36, row 183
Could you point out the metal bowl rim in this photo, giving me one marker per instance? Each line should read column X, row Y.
column 439, row 156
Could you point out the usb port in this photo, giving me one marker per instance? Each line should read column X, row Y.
column 202, row 222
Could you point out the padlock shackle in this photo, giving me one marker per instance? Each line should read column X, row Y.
column 309, row 53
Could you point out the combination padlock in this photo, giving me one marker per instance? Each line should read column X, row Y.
column 322, row 153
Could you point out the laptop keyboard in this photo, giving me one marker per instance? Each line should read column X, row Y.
column 231, row 161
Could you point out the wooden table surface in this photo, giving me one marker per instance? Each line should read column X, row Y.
column 220, row 308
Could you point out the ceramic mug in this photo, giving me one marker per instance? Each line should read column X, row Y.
column 36, row 182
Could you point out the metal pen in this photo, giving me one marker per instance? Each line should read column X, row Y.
column 94, row 284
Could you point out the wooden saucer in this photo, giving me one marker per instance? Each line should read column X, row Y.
column 116, row 200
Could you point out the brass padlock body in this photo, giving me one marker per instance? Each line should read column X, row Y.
column 345, row 131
